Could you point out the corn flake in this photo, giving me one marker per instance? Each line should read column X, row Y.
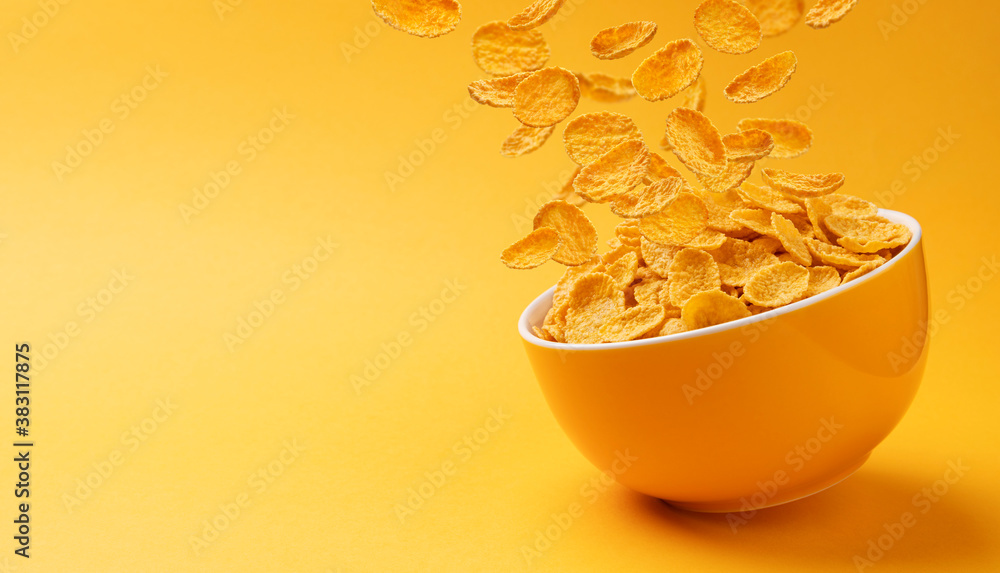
column 525, row 140
column 712, row 307
column 692, row 271
column 684, row 219
column 837, row 256
column 777, row 285
column 740, row 260
column 620, row 41
column 767, row 198
column 669, row 70
column 594, row 300
column 748, row 145
column 727, row 26
column 647, row 199
column 617, row 171
column 791, row 240
column 821, row 279
column 791, row 138
column 826, row 12
column 546, row 97
column 633, row 323
column 696, row 141
column 532, row 250
column 604, row 88
column 577, row 235
column 500, row 51
column 799, row 185
column 587, row 137
column 538, row 13
column 424, row 18
column 496, row 92
column 763, row 79
column 776, row 16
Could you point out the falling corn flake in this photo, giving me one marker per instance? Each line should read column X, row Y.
column 546, row 97
column 587, row 137
column 525, row 140
column 669, row 70
column 748, row 145
column 837, row 256
column 500, row 51
column 849, row 205
column 620, row 41
column 424, row 18
column 727, row 26
column 496, row 92
column 826, row 12
column 776, row 16
column 660, row 169
column 696, row 141
column 617, row 171
column 577, row 235
column 767, row 198
column 684, row 219
column 821, row 279
column 647, row 199
column 763, row 79
column 791, row 240
column 534, row 249
column 791, row 138
column 736, row 172
column 604, row 88
column 594, row 300
column 799, row 185
column 692, row 271
column 777, row 285
column 710, row 308
column 538, row 13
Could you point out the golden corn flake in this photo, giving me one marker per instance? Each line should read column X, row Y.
column 424, row 18
column 620, row 41
column 672, row 326
column 525, row 140
column 861, row 271
column 646, row 199
column 867, row 235
column 849, row 205
column 776, row 16
column 633, row 323
column 532, row 250
column 684, row 219
column 839, row 257
column 767, row 198
column 791, row 138
column 594, row 300
column 617, row 171
column 757, row 220
column 628, row 233
column 589, row 136
column 791, row 240
column 577, row 234
column 707, row 240
column 546, row 97
column 748, row 145
column 769, row 244
column 623, row 269
column 648, row 291
column 826, row 12
column 692, row 271
column 668, row 71
column 500, row 51
column 817, row 209
column 696, row 142
column 777, row 285
column 604, row 88
column 496, row 92
column 660, row 169
column 710, row 308
column 573, row 274
column 740, row 260
column 720, row 205
column 799, row 185
column 538, row 13
column 736, row 172
column 821, row 279
column 763, row 79
column 658, row 257
column 727, row 26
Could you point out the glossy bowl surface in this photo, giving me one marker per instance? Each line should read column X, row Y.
column 752, row 413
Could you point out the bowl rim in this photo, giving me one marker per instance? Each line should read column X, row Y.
column 524, row 326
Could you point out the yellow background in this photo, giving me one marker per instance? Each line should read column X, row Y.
column 360, row 101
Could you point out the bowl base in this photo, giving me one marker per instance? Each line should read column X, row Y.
column 787, row 496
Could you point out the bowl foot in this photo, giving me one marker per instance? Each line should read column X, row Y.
column 783, row 496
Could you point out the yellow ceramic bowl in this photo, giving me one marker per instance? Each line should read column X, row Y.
column 755, row 412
